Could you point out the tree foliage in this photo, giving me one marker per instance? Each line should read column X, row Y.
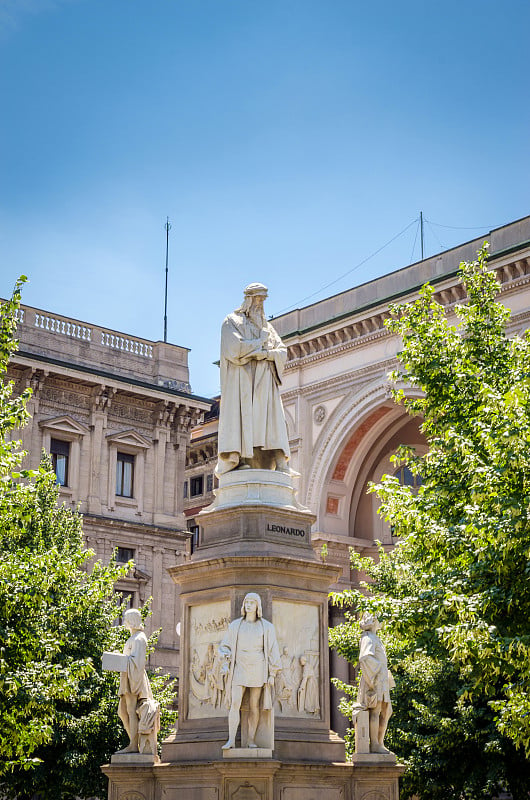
column 455, row 592
column 58, row 709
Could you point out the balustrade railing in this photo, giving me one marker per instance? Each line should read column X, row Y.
column 76, row 330
column 63, row 326
column 134, row 346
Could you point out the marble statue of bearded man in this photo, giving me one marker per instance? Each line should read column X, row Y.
column 252, row 429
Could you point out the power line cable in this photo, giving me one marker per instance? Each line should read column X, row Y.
column 344, row 275
column 442, row 246
column 461, row 228
column 415, row 240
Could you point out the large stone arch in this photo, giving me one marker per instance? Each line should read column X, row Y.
column 358, row 430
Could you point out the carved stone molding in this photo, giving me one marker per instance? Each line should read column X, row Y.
column 347, row 381
column 102, row 397
column 351, row 334
column 246, row 791
column 132, row 795
column 375, row 794
column 319, row 415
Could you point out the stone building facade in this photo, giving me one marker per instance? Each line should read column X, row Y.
column 115, row 413
column 200, row 480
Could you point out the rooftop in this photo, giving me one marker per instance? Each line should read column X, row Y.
column 56, row 339
column 504, row 240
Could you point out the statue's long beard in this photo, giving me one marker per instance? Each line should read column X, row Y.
column 258, row 318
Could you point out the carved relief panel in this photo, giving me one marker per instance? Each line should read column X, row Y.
column 297, row 686
column 207, row 625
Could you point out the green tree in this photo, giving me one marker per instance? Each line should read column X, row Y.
column 58, row 710
column 455, row 592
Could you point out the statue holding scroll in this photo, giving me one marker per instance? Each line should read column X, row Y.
column 252, row 429
column 137, row 709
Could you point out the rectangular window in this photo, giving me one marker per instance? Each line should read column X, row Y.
column 124, row 554
column 194, row 529
column 196, row 485
column 124, row 475
column 209, row 483
column 60, row 452
column 123, row 596
column 185, row 489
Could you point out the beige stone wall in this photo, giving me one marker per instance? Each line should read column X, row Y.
column 103, row 393
column 200, row 463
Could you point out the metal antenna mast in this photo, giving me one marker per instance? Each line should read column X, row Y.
column 167, row 227
column 421, row 227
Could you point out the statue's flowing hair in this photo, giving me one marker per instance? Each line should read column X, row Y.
column 367, row 620
column 245, row 307
column 134, row 615
column 257, row 598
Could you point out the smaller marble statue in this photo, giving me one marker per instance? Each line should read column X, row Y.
column 284, row 685
column 308, row 699
column 374, row 686
column 250, row 659
column 137, row 709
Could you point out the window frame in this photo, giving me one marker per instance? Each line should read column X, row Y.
column 61, row 444
column 123, row 458
column 198, row 480
column 121, row 560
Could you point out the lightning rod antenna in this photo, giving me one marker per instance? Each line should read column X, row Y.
column 167, row 227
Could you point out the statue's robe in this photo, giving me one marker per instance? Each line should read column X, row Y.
column 135, row 682
column 376, row 680
column 251, row 413
column 271, row 662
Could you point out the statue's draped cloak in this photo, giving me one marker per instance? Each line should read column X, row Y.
column 375, row 677
column 228, row 648
column 135, row 682
column 252, row 414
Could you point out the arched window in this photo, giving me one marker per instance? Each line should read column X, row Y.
column 406, row 478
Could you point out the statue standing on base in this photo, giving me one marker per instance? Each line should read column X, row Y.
column 137, row 709
column 251, row 659
column 374, row 686
column 252, row 429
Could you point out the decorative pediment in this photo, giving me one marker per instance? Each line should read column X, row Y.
column 129, row 439
column 64, row 426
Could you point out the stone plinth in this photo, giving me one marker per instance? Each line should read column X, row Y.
column 254, row 780
column 255, row 512
column 132, row 759
column 265, row 487
column 248, row 752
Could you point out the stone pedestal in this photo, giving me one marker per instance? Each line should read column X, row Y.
column 255, row 538
column 264, row 487
column 245, row 779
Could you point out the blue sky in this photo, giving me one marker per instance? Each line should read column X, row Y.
column 286, row 140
